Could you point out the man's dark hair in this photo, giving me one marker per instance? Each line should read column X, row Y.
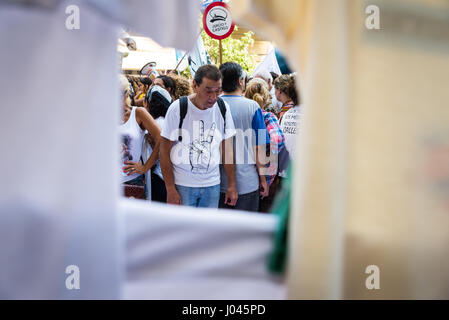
column 208, row 71
column 231, row 73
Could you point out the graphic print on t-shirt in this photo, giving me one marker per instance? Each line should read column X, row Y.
column 200, row 150
column 126, row 146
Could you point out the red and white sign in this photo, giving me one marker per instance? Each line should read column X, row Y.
column 217, row 21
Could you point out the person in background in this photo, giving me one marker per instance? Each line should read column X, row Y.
column 247, row 116
column 183, row 86
column 286, row 93
column 257, row 90
column 135, row 121
column 134, row 87
column 167, row 83
column 143, row 85
column 290, row 118
column 157, row 104
column 267, row 77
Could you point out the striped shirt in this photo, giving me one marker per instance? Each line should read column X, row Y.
column 276, row 142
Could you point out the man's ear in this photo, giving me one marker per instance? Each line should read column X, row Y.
column 194, row 85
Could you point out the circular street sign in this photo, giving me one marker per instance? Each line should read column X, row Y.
column 217, row 21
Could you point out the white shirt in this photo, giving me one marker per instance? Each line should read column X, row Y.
column 132, row 137
column 290, row 125
column 195, row 159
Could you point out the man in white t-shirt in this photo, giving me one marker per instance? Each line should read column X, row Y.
column 190, row 145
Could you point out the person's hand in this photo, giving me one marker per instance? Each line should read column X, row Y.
column 231, row 196
column 134, row 167
column 263, row 187
column 173, row 196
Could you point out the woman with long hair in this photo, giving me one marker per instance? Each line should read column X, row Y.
column 286, row 93
column 257, row 90
column 183, row 86
column 143, row 85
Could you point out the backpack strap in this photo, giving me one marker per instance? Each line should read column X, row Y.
column 183, row 103
column 222, row 107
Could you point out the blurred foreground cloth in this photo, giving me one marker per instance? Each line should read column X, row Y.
column 372, row 184
column 60, row 108
column 191, row 253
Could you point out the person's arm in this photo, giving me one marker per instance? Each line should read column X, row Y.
column 145, row 120
column 139, row 102
column 227, row 154
column 262, row 137
column 173, row 196
column 151, row 161
column 260, row 151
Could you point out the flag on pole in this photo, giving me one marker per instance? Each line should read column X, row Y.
column 269, row 64
column 198, row 56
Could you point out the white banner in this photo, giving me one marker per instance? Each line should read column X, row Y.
column 270, row 64
column 198, row 56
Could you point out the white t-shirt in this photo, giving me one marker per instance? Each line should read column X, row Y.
column 195, row 159
column 132, row 137
column 290, row 124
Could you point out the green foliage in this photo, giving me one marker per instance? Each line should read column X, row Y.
column 235, row 50
column 186, row 73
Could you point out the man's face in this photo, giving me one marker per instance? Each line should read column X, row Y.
column 207, row 93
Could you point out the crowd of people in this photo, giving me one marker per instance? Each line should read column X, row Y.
column 220, row 140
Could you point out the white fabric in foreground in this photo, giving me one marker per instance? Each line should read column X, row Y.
column 58, row 134
column 186, row 253
column 57, row 126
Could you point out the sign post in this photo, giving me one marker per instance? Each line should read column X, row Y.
column 217, row 23
column 221, row 53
